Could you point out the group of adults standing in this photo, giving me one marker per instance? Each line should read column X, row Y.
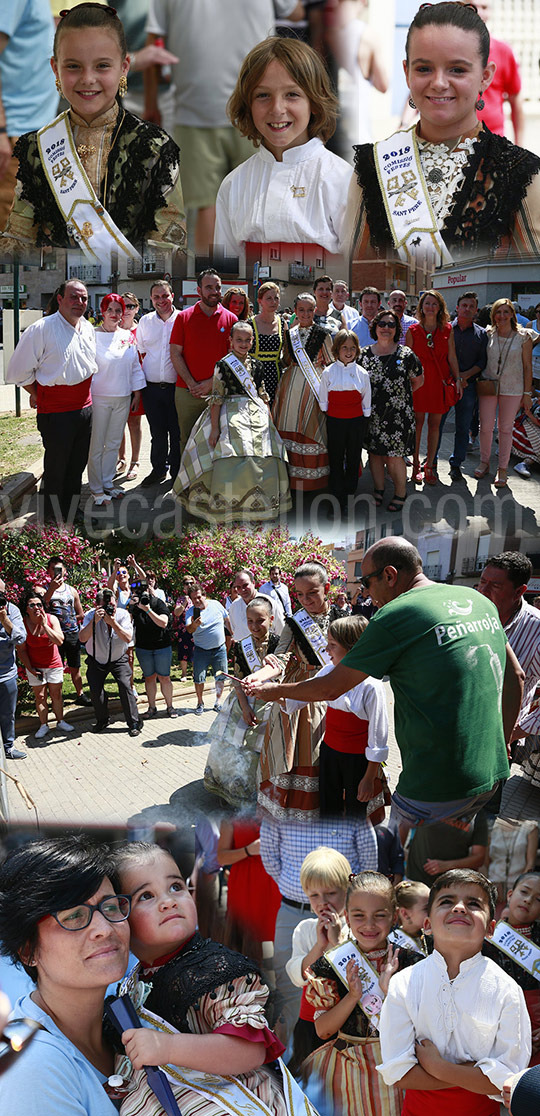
column 234, row 400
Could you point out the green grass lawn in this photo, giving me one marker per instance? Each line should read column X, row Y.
column 20, row 442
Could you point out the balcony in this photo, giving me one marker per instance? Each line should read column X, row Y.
column 154, row 263
column 301, row 273
column 433, row 572
column 473, row 565
column 87, row 273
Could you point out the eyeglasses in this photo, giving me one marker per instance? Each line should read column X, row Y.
column 386, row 325
column 365, row 580
column 115, row 908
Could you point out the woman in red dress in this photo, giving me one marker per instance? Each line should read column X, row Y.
column 253, row 897
column 432, row 339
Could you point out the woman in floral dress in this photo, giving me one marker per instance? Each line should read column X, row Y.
column 395, row 372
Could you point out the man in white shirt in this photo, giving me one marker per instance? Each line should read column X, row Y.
column 340, row 306
column 107, row 631
column 276, row 589
column 244, row 583
column 397, row 301
column 370, row 303
column 54, row 362
column 153, row 341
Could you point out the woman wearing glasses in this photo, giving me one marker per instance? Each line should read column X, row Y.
column 395, row 372
column 41, row 657
column 447, row 185
column 432, row 339
column 62, row 922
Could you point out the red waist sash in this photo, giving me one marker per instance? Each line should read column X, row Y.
column 345, row 404
column 60, row 398
column 345, row 732
column 448, row 1102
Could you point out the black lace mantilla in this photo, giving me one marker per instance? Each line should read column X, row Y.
column 497, row 178
column 199, row 969
column 134, row 193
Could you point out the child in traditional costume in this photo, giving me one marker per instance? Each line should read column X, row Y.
column 238, row 732
column 324, row 877
column 454, row 1027
column 412, row 901
column 96, row 177
column 289, row 769
column 234, row 466
column 201, row 1005
column 293, row 190
column 515, row 946
column 355, row 734
column 347, row 988
column 345, row 397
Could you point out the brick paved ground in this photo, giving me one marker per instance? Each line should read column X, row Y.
column 110, row 777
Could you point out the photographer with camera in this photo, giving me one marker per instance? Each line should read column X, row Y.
column 40, row 655
column 63, row 601
column 12, row 633
column 107, row 630
column 153, row 645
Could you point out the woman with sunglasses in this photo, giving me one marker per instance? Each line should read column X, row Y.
column 395, row 372
column 432, row 339
column 41, row 657
column 131, row 309
column 447, row 186
column 62, row 922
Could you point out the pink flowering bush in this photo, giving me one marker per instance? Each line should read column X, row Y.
column 212, row 556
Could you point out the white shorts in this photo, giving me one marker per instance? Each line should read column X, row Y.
column 50, row 674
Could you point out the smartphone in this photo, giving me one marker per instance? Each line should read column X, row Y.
column 196, row 614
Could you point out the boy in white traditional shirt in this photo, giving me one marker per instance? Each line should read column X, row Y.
column 454, row 1027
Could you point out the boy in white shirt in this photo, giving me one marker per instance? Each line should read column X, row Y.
column 454, row 1026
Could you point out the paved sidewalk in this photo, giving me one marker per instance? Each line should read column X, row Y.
column 110, row 778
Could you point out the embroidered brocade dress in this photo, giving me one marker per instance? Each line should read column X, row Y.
column 134, row 169
column 268, row 348
column 485, row 193
column 245, row 476
column 205, row 988
column 429, row 399
column 298, row 417
column 391, row 431
column 289, row 767
column 343, row 1069
column 233, row 758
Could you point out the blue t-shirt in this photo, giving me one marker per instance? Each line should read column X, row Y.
column 8, row 661
column 28, row 89
column 211, row 632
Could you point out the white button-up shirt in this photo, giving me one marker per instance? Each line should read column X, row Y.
column 345, row 377
column 279, row 593
column 367, row 701
column 54, row 353
column 479, row 1017
column 154, row 342
column 119, row 370
column 301, row 200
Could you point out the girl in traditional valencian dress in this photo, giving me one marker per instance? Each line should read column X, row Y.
column 347, row 988
column 97, row 177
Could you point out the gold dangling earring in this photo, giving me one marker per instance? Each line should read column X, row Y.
column 59, row 87
column 122, row 88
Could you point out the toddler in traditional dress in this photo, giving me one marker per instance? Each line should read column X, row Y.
column 208, row 1002
column 454, row 1027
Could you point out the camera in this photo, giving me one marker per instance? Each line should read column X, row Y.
column 140, row 594
column 104, row 600
column 3, row 600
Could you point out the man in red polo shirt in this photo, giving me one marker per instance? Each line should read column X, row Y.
column 506, row 85
column 200, row 337
column 54, row 362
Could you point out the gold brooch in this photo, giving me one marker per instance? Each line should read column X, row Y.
column 85, row 149
column 87, row 231
column 298, row 191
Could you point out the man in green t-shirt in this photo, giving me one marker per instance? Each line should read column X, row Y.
column 456, row 682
